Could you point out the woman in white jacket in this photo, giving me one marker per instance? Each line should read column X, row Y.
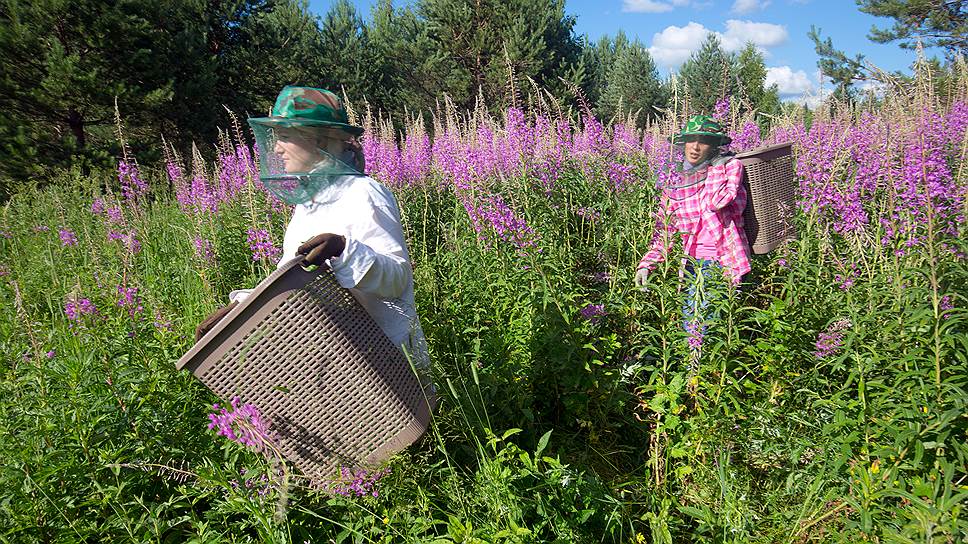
column 310, row 157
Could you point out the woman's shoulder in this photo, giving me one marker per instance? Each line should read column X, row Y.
column 724, row 160
column 364, row 187
column 727, row 164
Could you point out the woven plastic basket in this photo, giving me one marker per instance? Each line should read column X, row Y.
column 771, row 188
column 332, row 387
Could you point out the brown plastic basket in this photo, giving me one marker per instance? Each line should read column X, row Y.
column 333, row 388
column 771, row 188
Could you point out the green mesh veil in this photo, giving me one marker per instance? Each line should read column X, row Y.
column 293, row 165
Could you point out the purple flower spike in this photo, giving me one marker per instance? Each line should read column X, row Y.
column 355, row 484
column 829, row 341
column 261, row 246
column 67, row 238
column 593, row 312
column 243, row 424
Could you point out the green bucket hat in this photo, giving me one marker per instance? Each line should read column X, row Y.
column 702, row 125
column 308, row 107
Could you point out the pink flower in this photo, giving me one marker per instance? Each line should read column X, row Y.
column 242, row 424
column 67, row 238
column 261, row 246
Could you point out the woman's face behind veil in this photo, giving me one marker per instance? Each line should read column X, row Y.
column 699, row 148
column 298, row 150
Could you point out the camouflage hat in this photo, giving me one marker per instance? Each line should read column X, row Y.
column 702, row 125
column 308, row 107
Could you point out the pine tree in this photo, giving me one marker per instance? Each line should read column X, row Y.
column 66, row 64
column 278, row 46
column 412, row 75
column 936, row 23
column 709, row 74
column 600, row 58
column 480, row 45
column 753, row 92
column 167, row 67
column 837, row 66
column 632, row 85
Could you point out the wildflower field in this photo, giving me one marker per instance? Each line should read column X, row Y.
column 826, row 403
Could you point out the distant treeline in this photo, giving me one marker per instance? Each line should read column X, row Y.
column 175, row 68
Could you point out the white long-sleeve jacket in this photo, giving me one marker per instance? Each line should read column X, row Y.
column 375, row 264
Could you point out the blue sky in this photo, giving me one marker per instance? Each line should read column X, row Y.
column 672, row 29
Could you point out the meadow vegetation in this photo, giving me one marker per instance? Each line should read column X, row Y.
column 827, row 401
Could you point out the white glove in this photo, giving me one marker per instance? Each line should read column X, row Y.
column 640, row 277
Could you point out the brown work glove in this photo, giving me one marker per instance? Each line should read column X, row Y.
column 322, row 247
column 213, row 318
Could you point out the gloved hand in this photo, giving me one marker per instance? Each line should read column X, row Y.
column 322, row 247
column 640, row 277
column 213, row 318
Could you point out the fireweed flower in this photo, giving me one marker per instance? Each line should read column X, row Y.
column 132, row 186
column 199, row 197
column 625, row 140
column 845, row 281
column 242, row 423
column 356, row 483
column 67, row 238
column 721, row 109
column 127, row 240
column 51, row 354
column 115, row 215
column 924, row 182
column 76, row 309
column 694, row 332
column 128, row 298
column 161, row 323
column 602, row 277
column 495, row 215
column 746, row 138
column 619, row 175
column 204, row 249
column 830, row 341
column 593, row 313
column 97, row 206
column 261, row 245
column 260, row 484
column 588, row 214
column 945, row 305
column 41, row 228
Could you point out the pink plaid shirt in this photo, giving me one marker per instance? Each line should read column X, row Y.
column 709, row 216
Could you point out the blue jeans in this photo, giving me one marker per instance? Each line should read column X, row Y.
column 699, row 293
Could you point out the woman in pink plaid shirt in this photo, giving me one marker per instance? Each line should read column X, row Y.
column 705, row 208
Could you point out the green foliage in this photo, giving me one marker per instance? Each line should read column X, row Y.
column 709, row 75
column 935, row 23
column 840, row 68
column 146, row 61
column 626, row 80
column 485, row 47
column 552, row 426
column 751, row 76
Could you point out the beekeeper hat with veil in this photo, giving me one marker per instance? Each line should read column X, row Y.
column 306, row 144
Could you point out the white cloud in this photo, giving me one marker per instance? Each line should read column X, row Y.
column 797, row 86
column 652, row 6
column 788, row 82
column 878, row 88
column 674, row 44
column 763, row 35
column 812, row 100
column 749, row 6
